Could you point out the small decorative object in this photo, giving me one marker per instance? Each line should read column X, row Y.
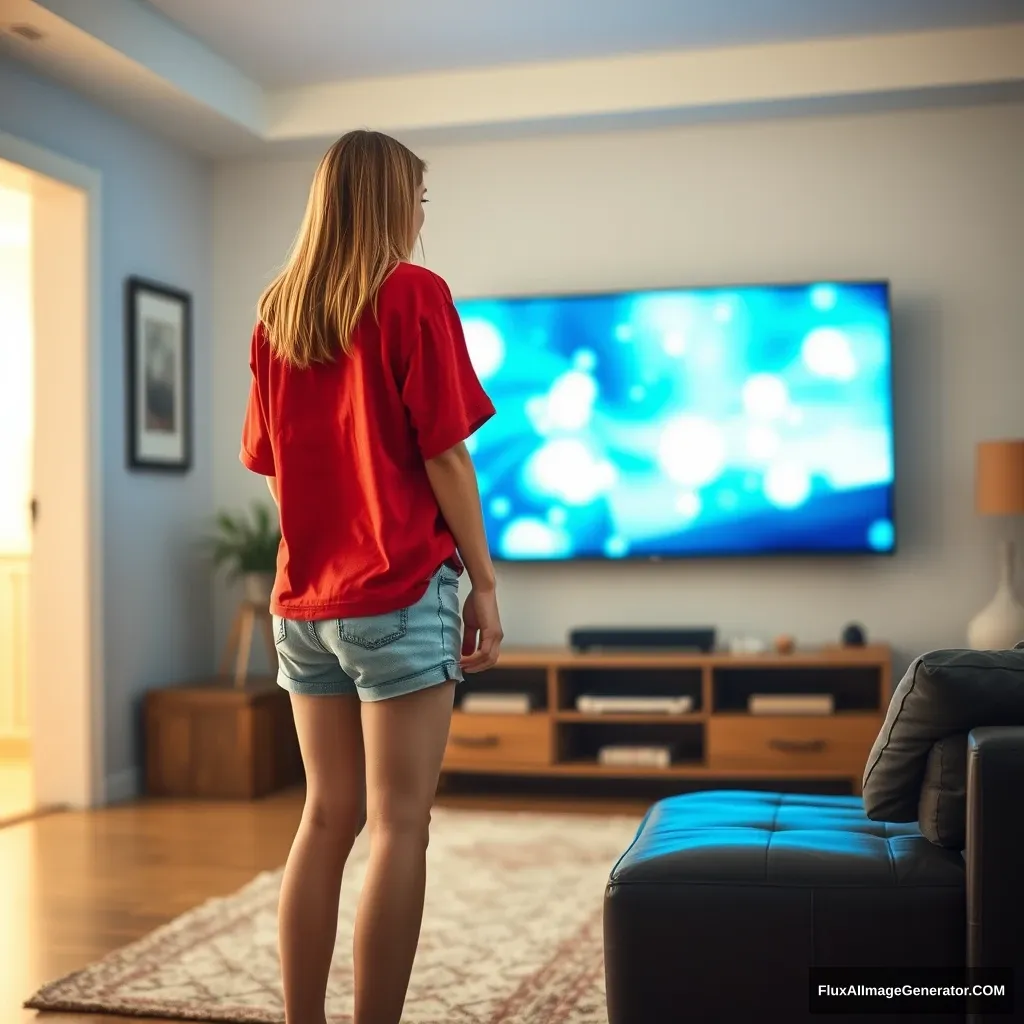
column 854, row 635
column 785, row 644
column 999, row 491
column 249, row 551
column 158, row 330
column 747, row 645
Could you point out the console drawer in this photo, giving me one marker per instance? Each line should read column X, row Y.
column 829, row 742
column 498, row 741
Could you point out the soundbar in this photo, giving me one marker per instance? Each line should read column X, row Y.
column 693, row 639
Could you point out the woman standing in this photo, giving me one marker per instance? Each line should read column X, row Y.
column 361, row 398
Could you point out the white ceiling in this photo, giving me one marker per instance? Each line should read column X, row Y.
column 237, row 77
column 283, row 43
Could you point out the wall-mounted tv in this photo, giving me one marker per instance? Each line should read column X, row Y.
column 697, row 422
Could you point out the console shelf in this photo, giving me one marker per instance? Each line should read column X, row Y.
column 620, row 718
column 717, row 739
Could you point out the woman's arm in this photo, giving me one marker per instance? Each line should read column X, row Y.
column 272, row 484
column 453, row 480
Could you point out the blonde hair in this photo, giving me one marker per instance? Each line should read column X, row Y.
column 357, row 227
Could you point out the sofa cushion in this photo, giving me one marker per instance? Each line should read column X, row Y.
column 943, row 694
column 942, row 809
column 724, row 898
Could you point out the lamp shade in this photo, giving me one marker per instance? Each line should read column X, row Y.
column 999, row 478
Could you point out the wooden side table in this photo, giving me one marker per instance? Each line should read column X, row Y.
column 217, row 740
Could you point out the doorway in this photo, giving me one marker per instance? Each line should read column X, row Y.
column 50, row 580
column 17, row 793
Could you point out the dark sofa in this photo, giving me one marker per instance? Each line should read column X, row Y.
column 725, row 899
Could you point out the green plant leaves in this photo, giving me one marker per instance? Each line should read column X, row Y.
column 244, row 545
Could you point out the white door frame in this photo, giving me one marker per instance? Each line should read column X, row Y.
column 90, row 791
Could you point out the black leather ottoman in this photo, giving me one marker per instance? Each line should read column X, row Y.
column 724, row 899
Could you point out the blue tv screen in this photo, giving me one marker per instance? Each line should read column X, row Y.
column 714, row 422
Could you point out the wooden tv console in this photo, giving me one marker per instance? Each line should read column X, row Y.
column 719, row 739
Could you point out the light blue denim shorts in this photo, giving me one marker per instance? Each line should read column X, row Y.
column 377, row 656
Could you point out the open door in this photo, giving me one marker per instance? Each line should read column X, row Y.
column 60, row 644
column 16, row 790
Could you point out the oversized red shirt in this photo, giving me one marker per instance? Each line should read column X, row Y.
column 362, row 532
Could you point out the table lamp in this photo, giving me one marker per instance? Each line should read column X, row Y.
column 999, row 491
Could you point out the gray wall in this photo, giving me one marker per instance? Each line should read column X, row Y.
column 933, row 200
column 156, row 223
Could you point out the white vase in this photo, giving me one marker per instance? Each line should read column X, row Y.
column 999, row 626
column 258, row 587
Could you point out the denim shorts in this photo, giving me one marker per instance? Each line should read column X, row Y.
column 377, row 656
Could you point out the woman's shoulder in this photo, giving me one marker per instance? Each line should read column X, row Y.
column 412, row 281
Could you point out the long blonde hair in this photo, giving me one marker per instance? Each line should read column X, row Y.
column 357, row 227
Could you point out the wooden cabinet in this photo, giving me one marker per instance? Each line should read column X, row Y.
column 714, row 738
column 499, row 741
column 764, row 743
column 218, row 741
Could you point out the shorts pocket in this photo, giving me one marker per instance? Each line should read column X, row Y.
column 280, row 630
column 374, row 631
column 447, row 576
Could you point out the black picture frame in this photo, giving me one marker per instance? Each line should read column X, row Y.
column 158, row 337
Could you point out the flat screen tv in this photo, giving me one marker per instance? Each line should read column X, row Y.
column 697, row 422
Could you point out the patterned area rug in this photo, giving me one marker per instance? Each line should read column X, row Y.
column 511, row 935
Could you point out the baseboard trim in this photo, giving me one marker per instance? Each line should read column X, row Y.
column 123, row 786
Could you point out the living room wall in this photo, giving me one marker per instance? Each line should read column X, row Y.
column 155, row 222
column 931, row 199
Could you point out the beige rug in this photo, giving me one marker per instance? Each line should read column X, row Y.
column 511, row 935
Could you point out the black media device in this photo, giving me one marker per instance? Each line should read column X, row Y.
column 854, row 635
column 608, row 638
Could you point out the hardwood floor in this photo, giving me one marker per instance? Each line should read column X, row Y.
column 79, row 885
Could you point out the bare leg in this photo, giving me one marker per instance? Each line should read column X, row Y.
column 330, row 736
column 405, row 739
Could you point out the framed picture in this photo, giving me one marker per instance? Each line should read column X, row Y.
column 159, row 338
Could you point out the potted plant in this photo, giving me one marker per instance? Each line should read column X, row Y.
column 248, row 549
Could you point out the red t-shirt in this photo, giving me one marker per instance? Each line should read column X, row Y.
column 362, row 533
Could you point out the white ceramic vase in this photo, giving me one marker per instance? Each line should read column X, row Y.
column 257, row 587
column 999, row 626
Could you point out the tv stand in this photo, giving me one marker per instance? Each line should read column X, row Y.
column 718, row 739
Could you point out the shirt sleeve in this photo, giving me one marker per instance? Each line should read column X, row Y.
column 441, row 391
column 257, row 452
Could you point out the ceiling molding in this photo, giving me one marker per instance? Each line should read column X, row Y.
column 743, row 77
column 132, row 60
column 150, row 41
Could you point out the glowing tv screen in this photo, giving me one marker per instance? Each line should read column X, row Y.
column 710, row 422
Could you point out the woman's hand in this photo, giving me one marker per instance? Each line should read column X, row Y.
column 482, row 633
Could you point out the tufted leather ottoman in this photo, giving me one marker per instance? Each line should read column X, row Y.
column 724, row 899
